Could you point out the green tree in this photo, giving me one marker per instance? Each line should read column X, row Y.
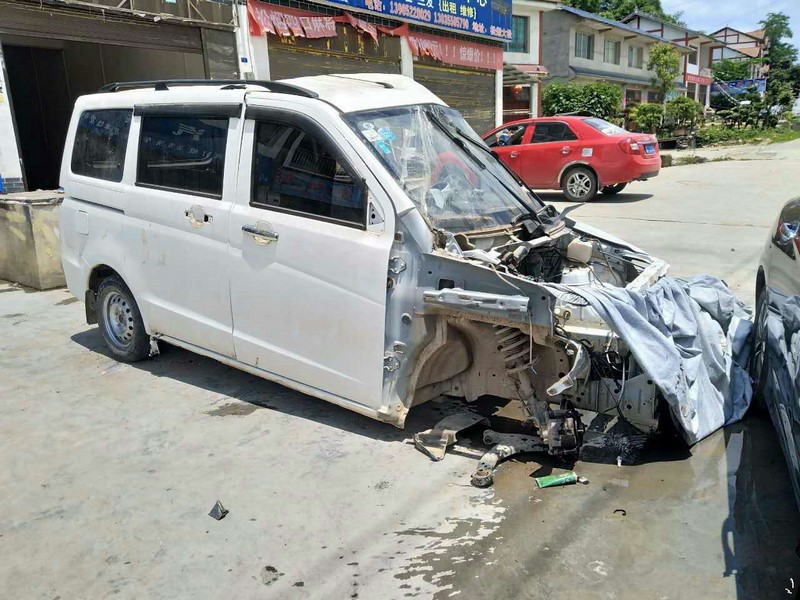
column 619, row 9
column 781, row 54
column 732, row 70
column 665, row 63
column 600, row 99
column 647, row 117
column 592, row 6
column 794, row 79
column 781, row 58
column 683, row 111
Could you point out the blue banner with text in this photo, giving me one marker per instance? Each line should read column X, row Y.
column 490, row 18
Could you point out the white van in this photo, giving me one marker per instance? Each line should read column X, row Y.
column 348, row 236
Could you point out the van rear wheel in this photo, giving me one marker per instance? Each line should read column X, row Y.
column 121, row 322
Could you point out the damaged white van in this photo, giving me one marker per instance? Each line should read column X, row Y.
column 351, row 237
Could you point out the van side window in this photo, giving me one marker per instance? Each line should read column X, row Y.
column 183, row 154
column 100, row 144
column 293, row 171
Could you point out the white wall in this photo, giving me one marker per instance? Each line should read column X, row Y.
column 532, row 56
column 597, row 62
column 9, row 157
column 532, row 10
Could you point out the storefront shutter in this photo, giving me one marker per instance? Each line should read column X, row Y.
column 469, row 91
column 66, row 23
column 219, row 51
column 349, row 52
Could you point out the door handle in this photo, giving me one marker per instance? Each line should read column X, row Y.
column 261, row 236
column 566, row 150
column 197, row 216
column 514, row 154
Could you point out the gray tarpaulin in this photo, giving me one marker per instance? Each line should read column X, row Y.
column 691, row 338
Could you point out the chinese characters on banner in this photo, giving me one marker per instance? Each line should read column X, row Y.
column 456, row 52
column 698, row 79
column 489, row 18
column 479, row 17
column 734, row 88
column 289, row 22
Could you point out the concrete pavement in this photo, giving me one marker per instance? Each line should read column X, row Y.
column 109, row 470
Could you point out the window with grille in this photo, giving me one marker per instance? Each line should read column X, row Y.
column 519, row 35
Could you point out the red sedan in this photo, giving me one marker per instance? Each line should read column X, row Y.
column 579, row 155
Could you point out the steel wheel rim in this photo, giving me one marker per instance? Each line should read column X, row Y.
column 579, row 185
column 118, row 321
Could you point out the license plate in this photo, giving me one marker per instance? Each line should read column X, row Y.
column 649, row 149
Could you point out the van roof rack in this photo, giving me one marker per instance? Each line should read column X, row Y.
column 164, row 84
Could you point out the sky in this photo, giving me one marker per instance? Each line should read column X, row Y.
column 711, row 15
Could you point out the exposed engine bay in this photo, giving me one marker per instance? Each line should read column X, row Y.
column 491, row 292
column 539, row 342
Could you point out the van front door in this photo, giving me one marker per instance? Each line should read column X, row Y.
column 308, row 272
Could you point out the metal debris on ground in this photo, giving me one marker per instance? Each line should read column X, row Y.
column 270, row 575
column 567, row 478
column 218, row 512
column 504, row 445
column 434, row 442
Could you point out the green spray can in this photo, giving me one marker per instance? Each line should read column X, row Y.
column 567, row 478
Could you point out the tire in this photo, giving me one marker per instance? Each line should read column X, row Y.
column 579, row 185
column 613, row 190
column 121, row 322
column 760, row 357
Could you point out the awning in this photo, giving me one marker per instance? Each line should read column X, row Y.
column 615, row 77
column 523, row 74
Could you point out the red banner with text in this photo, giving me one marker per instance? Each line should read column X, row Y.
column 286, row 22
column 456, row 52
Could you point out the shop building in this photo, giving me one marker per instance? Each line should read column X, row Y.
column 696, row 77
column 523, row 70
column 739, row 45
column 582, row 46
column 53, row 52
column 453, row 47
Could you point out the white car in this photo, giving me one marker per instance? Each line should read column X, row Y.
column 796, row 108
column 348, row 236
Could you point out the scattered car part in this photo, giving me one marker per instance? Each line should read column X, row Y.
column 218, row 511
column 504, row 445
column 567, row 478
column 434, row 442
